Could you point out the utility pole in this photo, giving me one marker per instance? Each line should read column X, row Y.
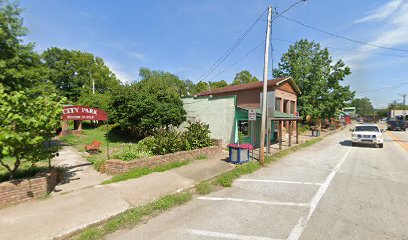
column 403, row 105
column 93, row 85
column 265, row 88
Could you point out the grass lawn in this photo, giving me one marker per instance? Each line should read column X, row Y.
column 117, row 140
column 138, row 172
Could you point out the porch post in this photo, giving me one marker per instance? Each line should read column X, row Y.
column 297, row 133
column 280, row 135
column 290, row 133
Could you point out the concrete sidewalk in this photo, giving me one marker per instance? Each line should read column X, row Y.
column 65, row 213
column 79, row 172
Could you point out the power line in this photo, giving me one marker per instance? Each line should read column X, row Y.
column 377, row 89
column 231, row 49
column 342, row 37
column 236, row 44
column 240, row 59
column 348, row 50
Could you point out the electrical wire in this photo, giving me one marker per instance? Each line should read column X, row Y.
column 240, row 59
column 343, row 37
column 236, row 44
column 231, row 49
column 348, row 50
column 387, row 87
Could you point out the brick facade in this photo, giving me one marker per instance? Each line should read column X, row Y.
column 21, row 190
column 114, row 166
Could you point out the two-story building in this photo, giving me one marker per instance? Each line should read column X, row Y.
column 226, row 110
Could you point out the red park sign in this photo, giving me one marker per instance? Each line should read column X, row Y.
column 83, row 113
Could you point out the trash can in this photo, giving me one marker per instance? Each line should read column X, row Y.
column 239, row 153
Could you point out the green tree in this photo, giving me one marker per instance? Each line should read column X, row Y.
column 29, row 111
column 20, row 66
column 151, row 104
column 363, row 106
column 171, row 80
column 244, row 77
column 199, row 87
column 73, row 72
column 317, row 77
column 219, row 84
column 27, row 123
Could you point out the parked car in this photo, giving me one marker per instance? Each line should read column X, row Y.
column 367, row 134
column 395, row 125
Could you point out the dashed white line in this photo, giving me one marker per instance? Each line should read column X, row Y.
column 227, row 235
column 277, row 181
column 254, row 201
column 300, row 226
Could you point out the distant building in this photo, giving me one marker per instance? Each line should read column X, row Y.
column 350, row 111
column 226, row 109
column 395, row 112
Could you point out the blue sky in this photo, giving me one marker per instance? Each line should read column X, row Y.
column 187, row 37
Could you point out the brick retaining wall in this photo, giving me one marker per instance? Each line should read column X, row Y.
column 21, row 190
column 114, row 166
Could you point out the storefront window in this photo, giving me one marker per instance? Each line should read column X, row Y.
column 243, row 127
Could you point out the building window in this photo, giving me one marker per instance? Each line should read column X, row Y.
column 243, row 127
column 292, row 107
column 278, row 104
column 285, row 106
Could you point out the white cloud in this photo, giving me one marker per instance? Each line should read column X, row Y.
column 393, row 33
column 123, row 76
column 126, row 49
column 85, row 14
column 137, row 55
column 382, row 12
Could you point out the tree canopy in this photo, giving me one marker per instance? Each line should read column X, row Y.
column 73, row 72
column 152, row 103
column 244, row 77
column 29, row 110
column 318, row 78
column 363, row 106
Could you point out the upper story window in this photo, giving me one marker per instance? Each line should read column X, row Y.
column 278, row 104
column 292, row 107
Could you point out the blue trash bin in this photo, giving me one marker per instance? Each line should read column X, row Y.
column 238, row 155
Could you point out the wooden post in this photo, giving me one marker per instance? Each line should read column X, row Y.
column 297, row 133
column 280, row 135
column 107, row 139
column 290, row 133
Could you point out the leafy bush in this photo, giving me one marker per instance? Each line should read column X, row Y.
column 303, row 128
column 196, row 136
column 163, row 142
column 166, row 141
column 132, row 152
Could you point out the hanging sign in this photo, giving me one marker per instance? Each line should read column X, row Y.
column 251, row 115
column 83, row 113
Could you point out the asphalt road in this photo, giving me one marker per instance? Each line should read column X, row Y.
column 327, row 191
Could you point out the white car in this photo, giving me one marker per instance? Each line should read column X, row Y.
column 367, row 134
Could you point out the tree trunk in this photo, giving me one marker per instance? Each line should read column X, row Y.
column 16, row 165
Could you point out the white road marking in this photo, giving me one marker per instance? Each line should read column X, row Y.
column 277, row 181
column 254, row 201
column 300, row 226
column 227, row 235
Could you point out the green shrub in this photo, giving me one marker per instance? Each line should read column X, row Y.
column 303, row 128
column 132, row 152
column 196, row 136
column 166, row 141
